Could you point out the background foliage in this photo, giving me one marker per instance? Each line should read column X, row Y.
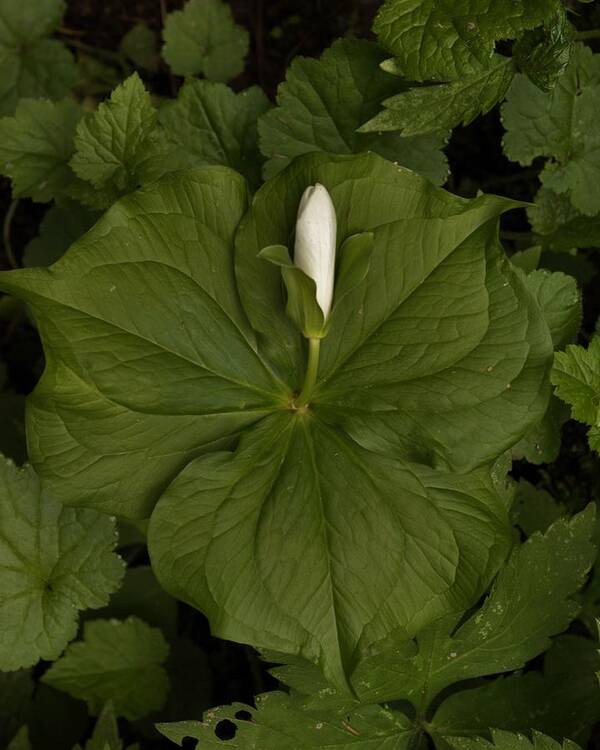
column 100, row 98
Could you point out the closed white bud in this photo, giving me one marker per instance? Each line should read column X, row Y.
column 314, row 251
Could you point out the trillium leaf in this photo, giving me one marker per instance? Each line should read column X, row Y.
column 415, row 540
column 116, row 661
column 172, row 369
column 162, row 423
column 54, row 561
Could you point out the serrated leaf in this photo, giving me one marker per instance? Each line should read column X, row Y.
column 54, row 561
column 561, row 125
column 152, row 362
column 323, row 102
column 30, row 64
column 560, row 302
column 559, row 226
column 36, row 146
column 508, row 741
column 281, row 722
column 576, row 375
column 60, row 228
column 119, row 147
column 443, row 106
column 530, row 601
column 544, row 53
column 439, row 40
column 140, row 45
column 212, row 125
column 529, row 701
column 116, row 661
column 204, row 39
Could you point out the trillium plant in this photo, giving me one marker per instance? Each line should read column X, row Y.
column 308, row 457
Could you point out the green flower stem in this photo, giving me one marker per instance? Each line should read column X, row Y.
column 312, row 367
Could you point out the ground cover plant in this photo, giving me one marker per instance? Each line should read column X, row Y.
column 299, row 374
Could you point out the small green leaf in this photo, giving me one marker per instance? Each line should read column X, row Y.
column 116, row 661
column 323, row 103
column 31, row 65
column 302, row 305
column 204, row 39
column 36, row 146
column 443, row 106
column 544, row 53
column 54, row 561
column 576, row 375
column 140, row 45
column 281, row 722
column 210, row 124
column 560, row 303
column 561, row 125
column 119, row 147
column 437, row 40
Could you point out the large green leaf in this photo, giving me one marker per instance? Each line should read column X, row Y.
column 54, row 561
column 436, row 362
column 427, row 537
column 281, row 722
column 31, row 65
column 323, row 102
column 448, row 39
column 561, row 125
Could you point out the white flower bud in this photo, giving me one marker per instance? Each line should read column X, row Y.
column 314, row 251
